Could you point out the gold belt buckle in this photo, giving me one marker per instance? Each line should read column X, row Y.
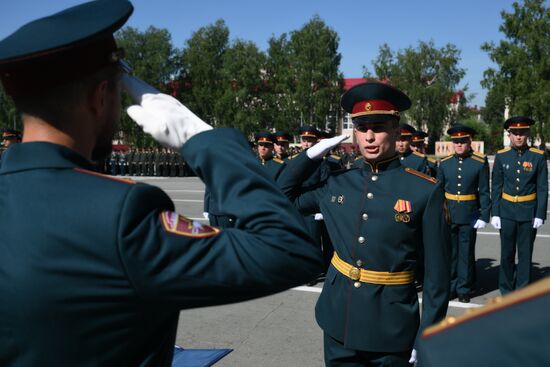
column 355, row 273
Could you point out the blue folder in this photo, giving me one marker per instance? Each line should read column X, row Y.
column 197, row 357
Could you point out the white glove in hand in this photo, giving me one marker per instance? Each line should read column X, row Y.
column 321, row 148
column 413, row 356
column 318, row 216
column 537, row 223
column 205, row 215
column 162, row 116
column 480, row 224
column 495, row 222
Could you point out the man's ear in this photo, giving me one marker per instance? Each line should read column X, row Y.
column 98, row 98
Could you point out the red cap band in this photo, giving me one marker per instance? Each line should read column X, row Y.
column 374, row 107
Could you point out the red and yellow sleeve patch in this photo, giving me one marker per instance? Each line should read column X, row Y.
column 183, row 226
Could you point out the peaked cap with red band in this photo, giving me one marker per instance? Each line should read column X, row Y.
column 406, row 129
column 308, row 130
column 265, row 137
column 518, row 122
column 459, row 131
column 63, row 47
column 283, row 136
column 374, row 102
column 419, row 136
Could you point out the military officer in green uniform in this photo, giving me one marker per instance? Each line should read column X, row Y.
column 509, row 331
column 281, row 144
column 378, row 217
column 95, row 269
column 273, row 165
column 409, row 158
column 465, row 178
column 520, row 197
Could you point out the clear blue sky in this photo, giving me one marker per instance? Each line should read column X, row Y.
column 362, row 25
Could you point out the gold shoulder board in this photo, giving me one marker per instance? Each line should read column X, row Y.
column 481, row 160
column 419, row 154
column 447, row 157
column 479, row 154
column 503, row 150
column 421, row 175
column 535, row 150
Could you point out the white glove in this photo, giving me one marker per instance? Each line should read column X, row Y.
column 318, row 216
column 495, row 222
column 321, row 148
column 205, row 215
column 537, row 223
column 480, row 224
column 413, row 356
column 162, row 116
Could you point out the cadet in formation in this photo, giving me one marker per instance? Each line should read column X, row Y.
column 409, row 158
column 94, row 269
column 465, row 178
column 273, row 165
column 378, row 216
column 418, row 144
column 520, row 196
column 281, row 144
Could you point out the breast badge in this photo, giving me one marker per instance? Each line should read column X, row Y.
column 527, row 166
column 402, row 208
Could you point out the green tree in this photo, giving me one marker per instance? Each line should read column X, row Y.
column 492, row 115
column 430, row 77
column 153, row 59
column 241, row 103
column 314, row 62
column 9, row 118
column 202, row 61
column 523, row 60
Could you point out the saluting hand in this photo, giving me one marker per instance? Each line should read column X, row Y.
column 321, row 148
column 162, row 116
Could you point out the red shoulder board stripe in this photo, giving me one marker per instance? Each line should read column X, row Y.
column 125, row 180
column 183, row 226
column 421, row 175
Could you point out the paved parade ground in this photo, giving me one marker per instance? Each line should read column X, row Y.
column 280, row 330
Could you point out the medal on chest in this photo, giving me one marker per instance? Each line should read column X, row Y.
column 402, row 208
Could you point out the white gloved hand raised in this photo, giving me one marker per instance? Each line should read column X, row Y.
column 321, row 148
column 537, row 223
column 318, row 216
column 495, row 222
column 163, row 117
column 413, row 357
column 480, row 224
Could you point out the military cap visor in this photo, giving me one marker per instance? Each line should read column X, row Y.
column 377, row 101
column 459, row 131
column 406, row 130
column 418, row 136
column 518, row 122
column 65, row 46
column 264, row 137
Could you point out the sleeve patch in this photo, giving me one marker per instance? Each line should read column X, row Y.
column 183, row 226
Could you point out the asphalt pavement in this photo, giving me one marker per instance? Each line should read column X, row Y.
column 280, row 330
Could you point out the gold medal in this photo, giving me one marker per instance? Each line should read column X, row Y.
column 398, row 217
column 405, row 217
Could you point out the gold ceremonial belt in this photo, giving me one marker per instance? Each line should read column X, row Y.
column 457, row 197
column 519, row 198
column 371, row 276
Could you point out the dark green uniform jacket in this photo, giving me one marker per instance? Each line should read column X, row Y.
column 520, row 172
column 468, row 175
column 358, row 208
column 415, row 161
column 94, row 270
column 273, row 166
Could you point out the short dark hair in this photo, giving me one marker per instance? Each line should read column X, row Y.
column 54, row 105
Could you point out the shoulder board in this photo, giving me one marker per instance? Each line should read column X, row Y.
column 275, row 159
column 421, row 175
column 481, row 160
column 535, row 150
column 292, row 156
column 447, row 157
column 479, row 154
column 419, row 154
column 535, row 290
column 503, row 150
column 125, row 180
column 334, row 156
column 358, row 158
column 433, row 160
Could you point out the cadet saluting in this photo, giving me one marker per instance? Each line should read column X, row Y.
column 94, row 270
column 378, row 217
column 465, row 177
column 520, row 196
